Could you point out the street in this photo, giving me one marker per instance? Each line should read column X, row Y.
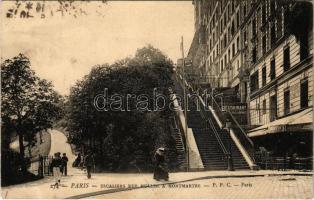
column 59, row 144
column 211, row 184
column 231, row 188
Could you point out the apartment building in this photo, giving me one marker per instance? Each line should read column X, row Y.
column 262, row 50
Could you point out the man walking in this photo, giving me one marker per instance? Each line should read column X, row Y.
column 56, row 165
column 65, row 164
column 89, row 163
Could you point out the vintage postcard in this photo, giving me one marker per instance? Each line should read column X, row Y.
column 199, row 99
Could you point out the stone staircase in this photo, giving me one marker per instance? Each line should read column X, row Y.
column 179, row 143
column 211, row 140
column 238, row 160
column 181, row 159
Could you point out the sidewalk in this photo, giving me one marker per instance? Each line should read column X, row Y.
column 78, row 186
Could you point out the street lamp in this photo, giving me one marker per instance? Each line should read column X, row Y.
column 230, row 162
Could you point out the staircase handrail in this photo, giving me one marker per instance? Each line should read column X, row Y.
column 221, row 144
column 240, row 127
column 216, row 134
column 217, row 108
column 241, row 135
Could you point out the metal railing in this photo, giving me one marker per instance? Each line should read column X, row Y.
column 208, row 120
column 238, row 130
column 242, row 136
column 40, row 166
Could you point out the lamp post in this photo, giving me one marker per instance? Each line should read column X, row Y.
column 230, row 162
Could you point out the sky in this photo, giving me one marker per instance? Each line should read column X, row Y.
column 63, row 49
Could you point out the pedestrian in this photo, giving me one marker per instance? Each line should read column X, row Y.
column 89, row 163
column 40, row 166
column 56, row 164
column 65, row 164
column 77, row 161
column 160, row 171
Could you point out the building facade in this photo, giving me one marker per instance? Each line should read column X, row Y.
column 262, row 50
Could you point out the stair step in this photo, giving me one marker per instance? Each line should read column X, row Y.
column 208, row 146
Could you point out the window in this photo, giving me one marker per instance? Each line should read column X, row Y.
column 254, row 27
column 229, row 10
column 286, row 58
column 272, row 7
column 229, row 34
column 244, row 8
column 232, row 28
column 304, row 95
column 238, row 43
column 263, row 13
column 259, row 113
column 233, row 50
column 304, row 47
column 214, row 38
column 279, row 26
column 229, row 55
column 222, row 65
column 272, row 36
column 286, row 17
column 238, row 19
column 264, row 76
column 244, row 38
column 225, row 19
column 226, row 59
column 254, row 55
column 264, row 44
column 286, row 99
column 225, row 40
column 254, row 81
column 264, row 106
column 273, row 108
column 272, row 69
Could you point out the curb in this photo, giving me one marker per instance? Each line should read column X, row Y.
column 80, row 196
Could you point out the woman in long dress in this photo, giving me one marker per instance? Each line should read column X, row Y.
column 160, row 171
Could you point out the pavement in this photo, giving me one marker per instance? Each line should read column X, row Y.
column 224, row 188
column 205, row 184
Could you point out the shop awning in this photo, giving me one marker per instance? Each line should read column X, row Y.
column 299, row 122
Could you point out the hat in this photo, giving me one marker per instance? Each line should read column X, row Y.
column 160, row 150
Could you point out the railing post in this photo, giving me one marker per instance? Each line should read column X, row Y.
column 40, row 166
column 230, row 162
column 212, row 97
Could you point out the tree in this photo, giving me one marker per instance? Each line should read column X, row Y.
column 123, row 140
column 29, row 104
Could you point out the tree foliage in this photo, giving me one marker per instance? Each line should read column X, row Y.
column 29, row 104
column 122, row 140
